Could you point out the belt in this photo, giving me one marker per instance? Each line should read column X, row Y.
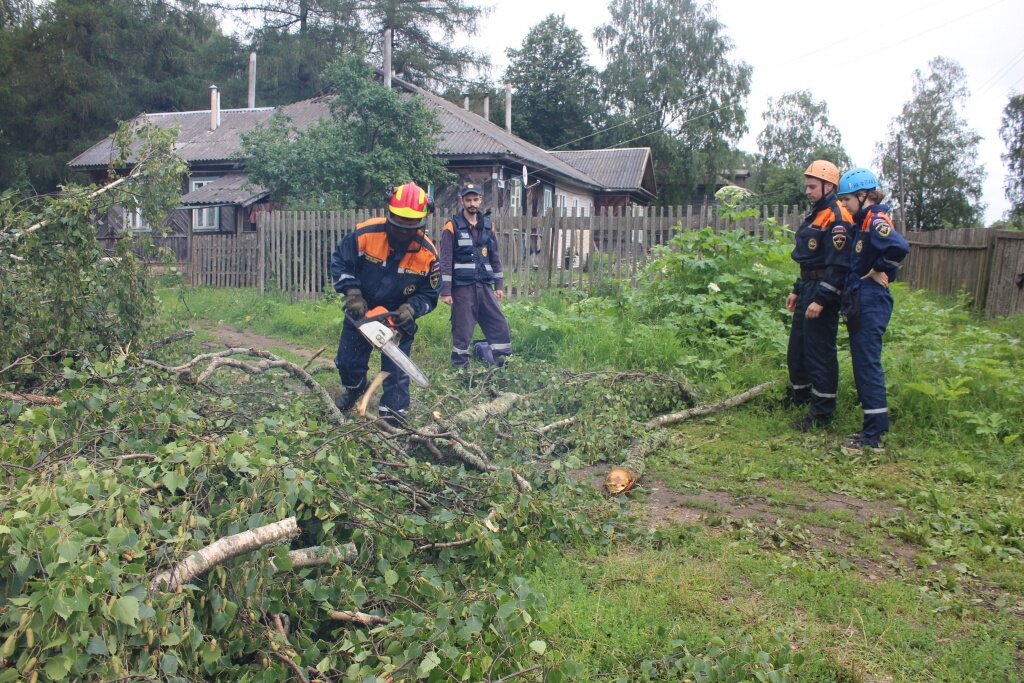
column 812, row 274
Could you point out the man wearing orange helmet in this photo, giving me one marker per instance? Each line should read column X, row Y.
column 821, row 250
column 388, row 261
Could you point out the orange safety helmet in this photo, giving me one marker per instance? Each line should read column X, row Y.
column 410, row 201
column 823, row 170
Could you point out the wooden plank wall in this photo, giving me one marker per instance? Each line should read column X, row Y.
column 1006, row 274
column 950, row 261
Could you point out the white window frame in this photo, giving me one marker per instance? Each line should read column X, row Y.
column 515, row 197
column 206, row 219
column 135, row 221
column 549, row 200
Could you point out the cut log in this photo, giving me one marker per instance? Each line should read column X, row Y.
column 364, row 400
column 222, row 550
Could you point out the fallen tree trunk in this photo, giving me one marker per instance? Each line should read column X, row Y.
column 477, row 414
column 221, row 550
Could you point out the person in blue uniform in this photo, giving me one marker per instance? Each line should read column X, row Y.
column 878, row 250
column 821, row 249
column 472, row 282
column 388, row 261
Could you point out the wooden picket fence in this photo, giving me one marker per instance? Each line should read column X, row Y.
column 538, row 253
column 291, row 252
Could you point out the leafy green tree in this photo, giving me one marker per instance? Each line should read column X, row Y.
column 376, row 138
column 670, row 83
column 557, row 95
column 422, row 33
column 1012, row 133
column 796, row 131
column 941, row 174
column 69, row 75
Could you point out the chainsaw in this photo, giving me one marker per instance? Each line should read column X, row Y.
column 378, row 326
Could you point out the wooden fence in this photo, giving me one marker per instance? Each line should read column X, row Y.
column 537, row 253
column 986, row 264
column 225, row 260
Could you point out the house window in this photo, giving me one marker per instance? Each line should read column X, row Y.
column 549, row 199
column 515, row 197
column 135, row 221
column 576, row 208
column 206, row 219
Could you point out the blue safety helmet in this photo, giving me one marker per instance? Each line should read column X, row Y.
column 855, row 180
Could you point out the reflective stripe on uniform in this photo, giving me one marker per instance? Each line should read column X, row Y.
column 465, row 243
column 820, row 394
column 446, row 278
column 465, row 266
column 831, row 288
column 876, row 411
column 501, row 347
column 800, row 386
column 460, row 352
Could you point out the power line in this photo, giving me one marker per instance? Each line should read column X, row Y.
column 1002, row 71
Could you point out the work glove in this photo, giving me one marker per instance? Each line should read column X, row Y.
column 404, row 316
column 355, row 304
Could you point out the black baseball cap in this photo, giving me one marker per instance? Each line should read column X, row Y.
column 470, row 188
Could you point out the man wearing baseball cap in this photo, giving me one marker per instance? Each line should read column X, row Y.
column 472, row 282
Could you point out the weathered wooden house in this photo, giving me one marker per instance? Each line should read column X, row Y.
column 518, row 178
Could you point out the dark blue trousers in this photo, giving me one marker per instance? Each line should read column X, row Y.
column 868, row 310
column 472, row 304
column 813, row 366
column 353, row 360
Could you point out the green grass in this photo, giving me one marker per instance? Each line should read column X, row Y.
column 928, row 584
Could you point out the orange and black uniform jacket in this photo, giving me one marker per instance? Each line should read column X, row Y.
column 822, row 248
column 365, row 260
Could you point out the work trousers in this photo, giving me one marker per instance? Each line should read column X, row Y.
column 811, row 357
column 868, row 310
column 472, row 304
column 353, row 360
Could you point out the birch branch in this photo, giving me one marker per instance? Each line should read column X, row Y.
column 33, row 399
column 360, row 618
column 222, row 550
column 320, row 554
column 698, row 411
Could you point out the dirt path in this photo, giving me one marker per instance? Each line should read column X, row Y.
column 226, row 336
column 774, row 524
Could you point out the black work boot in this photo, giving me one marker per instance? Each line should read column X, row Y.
column 395, row 418
column 347, row 398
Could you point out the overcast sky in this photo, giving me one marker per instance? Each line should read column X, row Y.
column 827, row 47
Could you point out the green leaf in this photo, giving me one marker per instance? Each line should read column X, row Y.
column 539, row 646
column 78, row 509
column 57, row 667
column 390, row 577
column 97, row 646
column 126, row 610
column 169, row 664
column 174, row 482
column 430, row 662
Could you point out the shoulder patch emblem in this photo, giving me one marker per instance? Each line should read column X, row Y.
column 483, row 252
column 883, row 228
column 409, row 289
column 839, row 240
column 435, row 276
column 860, row 245
column 812, row 244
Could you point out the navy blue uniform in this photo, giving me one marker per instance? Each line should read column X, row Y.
column 367, row 261
column 822, row 250
column 867, row 307
column 470, row 272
